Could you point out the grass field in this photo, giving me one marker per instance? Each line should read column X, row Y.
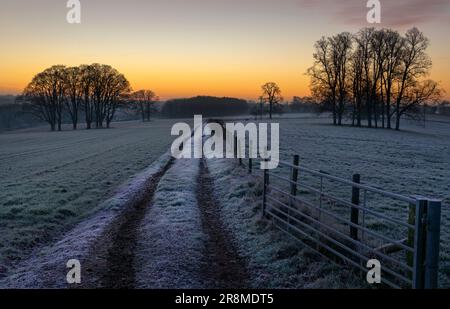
column 49, row 181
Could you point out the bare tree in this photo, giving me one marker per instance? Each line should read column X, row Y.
column 146, row 100
column 323, row 75
column 118, row 89
column 394, row 52
column 271, row 95
column 415, row 64
column 378, row 47
column 363, row 40
column 73, row 93
column 86, row 81
column 261, row 107
column 341, row 48
column 46, row 95
column 99, row 79
column 329, row 74
column 103, row 89
column 357, row 84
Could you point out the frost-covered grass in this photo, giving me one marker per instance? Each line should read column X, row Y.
column 171, row 240
column 49, row 181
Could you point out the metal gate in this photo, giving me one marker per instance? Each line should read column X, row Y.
column 401, row 232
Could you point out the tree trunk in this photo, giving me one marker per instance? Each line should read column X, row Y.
column 375, row 112
column 382, row 104
column 388, row 110
column 142, row 112
column 334, row 112
column 397, row 122
column 270, row 109
column 358, row 115
column 354, row 115
column 397, row 115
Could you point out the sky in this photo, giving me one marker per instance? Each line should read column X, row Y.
column 183, row 48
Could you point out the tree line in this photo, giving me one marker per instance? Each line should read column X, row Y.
column 94, row 91
column 205, row 105
column 373, row 75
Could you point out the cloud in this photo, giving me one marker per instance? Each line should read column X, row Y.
column 398, row 13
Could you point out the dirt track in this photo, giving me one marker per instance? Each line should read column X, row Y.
column 223, row 267
column 111, row 263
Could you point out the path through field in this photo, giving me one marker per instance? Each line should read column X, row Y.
column 144, row 246
column 225, row 268
column 120, row 271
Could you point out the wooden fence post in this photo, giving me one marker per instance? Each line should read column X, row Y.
column 354, row 216
column 294, row 175
column 235, row 147
column 239, row 152
column 250, row 161
column 266, row 183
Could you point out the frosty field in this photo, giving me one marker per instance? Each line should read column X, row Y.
column 49, row 181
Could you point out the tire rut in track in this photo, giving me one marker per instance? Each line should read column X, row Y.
column 119, row 272
column 223, row 267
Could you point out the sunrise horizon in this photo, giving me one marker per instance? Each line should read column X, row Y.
column 204, row 48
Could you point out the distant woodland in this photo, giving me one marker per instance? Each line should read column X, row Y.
column 204, row 105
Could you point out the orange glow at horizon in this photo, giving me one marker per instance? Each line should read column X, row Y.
column 171, row 83
column 179, row 49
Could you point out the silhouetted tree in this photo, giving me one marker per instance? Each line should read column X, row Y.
column 146, row 100
column 341, row 46
column 46, row 93
column 394, row 52
column 272, row 96
column 323, row 76
column 73, row 93
column 415, row 63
